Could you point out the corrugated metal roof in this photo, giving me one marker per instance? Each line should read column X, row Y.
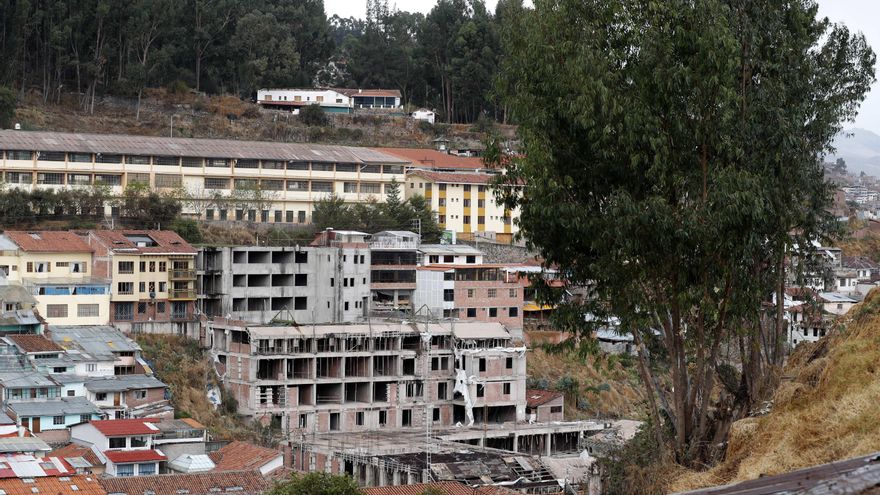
column 121, row 144
column 121, row 383
column 67, row 405
column 23, row 444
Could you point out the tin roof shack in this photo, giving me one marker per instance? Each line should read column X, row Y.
column 130, row 396
column 105, row 347
column 545, row 406
column 179, row 437
column 153, row 279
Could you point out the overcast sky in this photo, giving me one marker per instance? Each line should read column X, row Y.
column 858, row 15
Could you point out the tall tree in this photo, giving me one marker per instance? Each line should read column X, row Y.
column 672, row 160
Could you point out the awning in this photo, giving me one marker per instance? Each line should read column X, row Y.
column 535, row 307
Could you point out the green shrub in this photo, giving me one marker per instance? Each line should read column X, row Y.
column 313, row 116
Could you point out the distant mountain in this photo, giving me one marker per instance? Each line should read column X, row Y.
column 861, row 150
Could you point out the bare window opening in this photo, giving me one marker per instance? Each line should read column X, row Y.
column 359, row 418
column 301, row 257
column 407, row 417
column 300, row 303
column 409, row 366
column 334, row 421
column 301, row 280
column 482, row 364
column 383, row 418
column 435, row 414
column 282, row 257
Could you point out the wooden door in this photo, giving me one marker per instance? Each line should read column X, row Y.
column 116, row 398
column 35, row 424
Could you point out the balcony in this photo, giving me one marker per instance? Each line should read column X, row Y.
column 182, row 294
column 182, row 274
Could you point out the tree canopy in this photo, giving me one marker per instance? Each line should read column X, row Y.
column 672, row 161
column 443, row 60
column 316, row 483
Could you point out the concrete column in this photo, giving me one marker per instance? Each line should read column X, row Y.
column 515, row 442
column 395, row 477
column 410, row 479
column 549, row 444
column 369, row 475
column 383, row 476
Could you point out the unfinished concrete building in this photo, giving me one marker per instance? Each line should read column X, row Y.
column 324, row 378
column 393, row 270
column 302, row 284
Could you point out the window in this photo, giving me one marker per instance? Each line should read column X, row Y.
column 472, row 312
column 334, row 421
column 101, row 396
column 470, row 292
column 138, row 442
column 346, row 167
column 370, row 188
column 392, row 169
column 19, row 177
column 508, row 363
column 470, row 259
column 506, row 388
column 467, row 219
column 138, row 178
column 359, row 418
column 297, row 185
column 217, row 162
column 300, row 303
column 50, row 178
column 383, row 418
column 125, row 288
column 168, row 180
column 160, row 306
column 79, row 179
column 492, row 292
column 108, row 179
column 87, row 310
column 371, row 169
column 513, row 312
column 481, row 203
column 125, row 267
column 301, row 217
column 245, row 163
column 435, row 414
column 322, row 167
column 147, row 468
column 58, row 420
column 19, row 155
column 84, row 418
column 245, row 183
column 216, row 183
column 493, row 312
column 441, row 391
column 449, row 295
column 123, row 310
column 163, row 266
column 481, row 220
column 481, row 390
column 166, row 160
column 117, row 442
column 555, row 409
column 272, row 185
column 512, row 292
column 467, row 203
column 50, row 156
column 301, row 279
column 56, row 310
column 297, row 165
column 142, row 307
column 123, row 470
column 189, row 161
column 350, row 187
column 406, row 417
column 322, row 186
column 91, row 367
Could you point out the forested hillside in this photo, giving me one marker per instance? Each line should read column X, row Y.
column 91, row 48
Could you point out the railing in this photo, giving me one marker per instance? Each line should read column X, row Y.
column 394, row 244
column 181, row 294
column 182, row 274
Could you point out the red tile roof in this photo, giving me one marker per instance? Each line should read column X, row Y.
column 47, row 241
column 429, row 158
column 167, row 241
column 238, row 482
column 73, row 485
column 74, row 450
column 368, row 92
column 535, row 397
column 123, row 427
column 122, row 456
column 35, row 343
column 454, row 177
column 238, row 456
column 445, row 487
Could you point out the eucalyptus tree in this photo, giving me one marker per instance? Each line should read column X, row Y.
column 672, row 161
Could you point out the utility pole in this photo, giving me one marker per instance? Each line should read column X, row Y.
column 172, row 125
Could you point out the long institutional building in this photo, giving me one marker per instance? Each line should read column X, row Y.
column 290, row 177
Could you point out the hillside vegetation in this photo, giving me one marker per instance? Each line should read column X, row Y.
column 229, row 117
column 824, row 410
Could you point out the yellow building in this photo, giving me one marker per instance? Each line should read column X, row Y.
column 153, row 281
column 219, row 179
column 464, row 203
column 56, row 267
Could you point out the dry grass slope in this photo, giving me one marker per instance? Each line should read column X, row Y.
column 825, row 410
